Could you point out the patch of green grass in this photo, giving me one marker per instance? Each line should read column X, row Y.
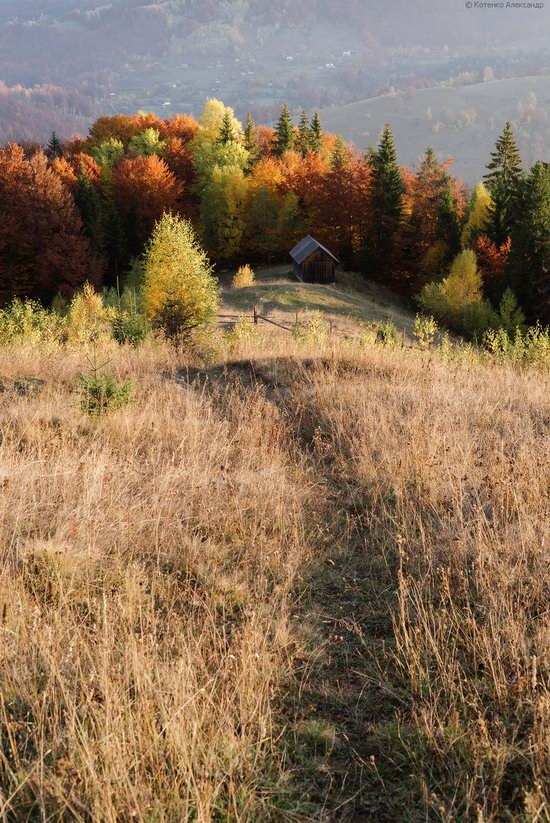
column 277, row 295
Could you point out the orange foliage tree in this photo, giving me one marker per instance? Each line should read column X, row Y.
column 492, row 261
column 42, row 247
column 342, row 205
column 145, row 189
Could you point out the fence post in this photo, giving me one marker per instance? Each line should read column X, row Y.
column 255, row 316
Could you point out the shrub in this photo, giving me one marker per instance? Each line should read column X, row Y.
column 130, row 327
column 388, row 334
column 510, row 315
column 101, row 392
column 476, row 318
column 243, row 331
column 87, row 318
column 314, row 330
column 531, row 348
column 179, row 290
column 367, row 336
column 425, row 329
column 244, row 276
column 128, row 323
column 29, row 322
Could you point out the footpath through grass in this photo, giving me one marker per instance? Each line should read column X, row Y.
column 288, row 582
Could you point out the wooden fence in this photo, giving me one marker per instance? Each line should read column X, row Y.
column 256, row 318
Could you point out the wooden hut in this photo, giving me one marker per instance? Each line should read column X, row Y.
column 313, row 263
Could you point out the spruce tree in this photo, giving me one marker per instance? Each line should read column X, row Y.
column 338, row 155
column 503, row 177
column 304, row 134
column 529, row 269
column 387, row 205
column 227, row 132
column 316, row 133
column 250, row 139
column 87, row 202
column 54, row 148
column 113, row 228
column 448, row 224
column 284, row 133
column 387, row 177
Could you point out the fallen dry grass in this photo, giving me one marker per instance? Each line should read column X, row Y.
column 284, row 592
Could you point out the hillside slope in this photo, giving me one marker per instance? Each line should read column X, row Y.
column 289, row 583
column 348, row 304
column 461, row 123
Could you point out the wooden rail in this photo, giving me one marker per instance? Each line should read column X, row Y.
column 255, row 317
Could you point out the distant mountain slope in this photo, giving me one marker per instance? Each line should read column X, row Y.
column 462, row 123
column 168, row 55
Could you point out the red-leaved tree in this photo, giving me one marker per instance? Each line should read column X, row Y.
column 42, row 248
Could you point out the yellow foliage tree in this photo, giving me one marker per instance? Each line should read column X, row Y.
column 464, row 284
column 87, row 318
column 212, row 118
column 458, row 299
column 479, row 213
column 179, row 289
column 244, row 276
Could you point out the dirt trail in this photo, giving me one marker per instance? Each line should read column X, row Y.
column 339, row 695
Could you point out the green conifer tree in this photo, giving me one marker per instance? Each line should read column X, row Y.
column 387, row 205
column 251, row 140
column 304, row 134
column 284, row 133
column 55, row 147
column 87, row 202
column 503, row 177
column 448, row 224
column 227, row 131
column 339, row 154
column 113, row 229
column 529, row 271
column 316, row 133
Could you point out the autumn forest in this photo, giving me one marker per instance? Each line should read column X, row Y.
column 83, row 210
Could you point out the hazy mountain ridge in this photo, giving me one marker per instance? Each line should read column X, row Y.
column 170, row 55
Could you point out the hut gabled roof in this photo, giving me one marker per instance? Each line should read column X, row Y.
column 306, row 247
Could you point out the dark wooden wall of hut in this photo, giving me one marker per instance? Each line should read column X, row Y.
column 319, row 267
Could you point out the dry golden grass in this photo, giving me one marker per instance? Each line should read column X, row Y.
column 289, row 590
column 146, row 566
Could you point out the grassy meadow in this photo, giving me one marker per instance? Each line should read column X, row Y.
column 347, row 304
column 294, row 580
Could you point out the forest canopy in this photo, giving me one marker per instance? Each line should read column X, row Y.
column 84, row 210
